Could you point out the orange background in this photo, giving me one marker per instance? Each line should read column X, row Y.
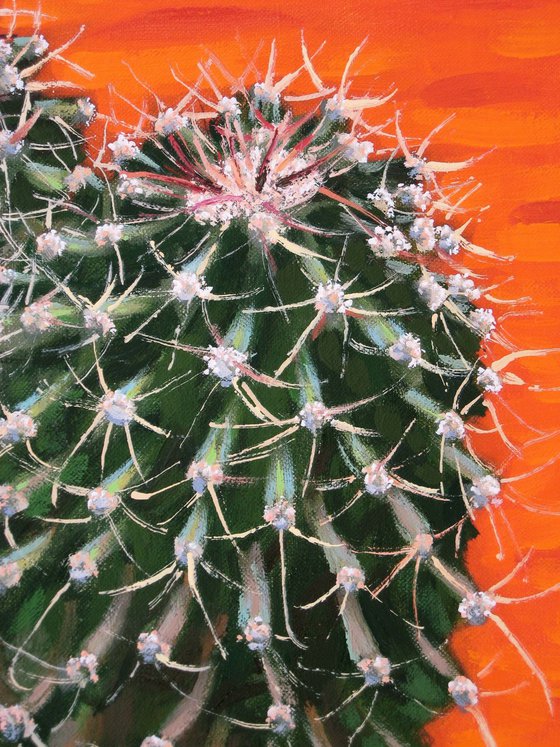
column 496, row 63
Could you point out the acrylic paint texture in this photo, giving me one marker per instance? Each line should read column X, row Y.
column 498, row 62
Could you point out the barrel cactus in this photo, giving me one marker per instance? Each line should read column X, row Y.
column 241, row 355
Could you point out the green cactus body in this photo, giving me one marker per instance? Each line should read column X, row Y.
column 238, row 364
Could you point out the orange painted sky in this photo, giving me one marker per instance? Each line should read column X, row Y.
column 496, row 63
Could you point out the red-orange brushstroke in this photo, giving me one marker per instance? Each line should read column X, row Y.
column 495, row 62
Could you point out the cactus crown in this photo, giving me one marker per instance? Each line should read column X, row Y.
column 239, row 361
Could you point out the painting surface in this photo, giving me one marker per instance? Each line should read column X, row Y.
column 496, row 66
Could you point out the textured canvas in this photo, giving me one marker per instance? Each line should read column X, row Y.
column 278, row 355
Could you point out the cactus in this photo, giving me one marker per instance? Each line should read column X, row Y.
column 240, row 363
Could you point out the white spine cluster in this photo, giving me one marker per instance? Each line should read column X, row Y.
column 281, row 514
column 257, row 634
column 485, row 490
column 10, row 80
column 330, row 299
column 100, row 502
column 168, row 122
column 155, row 741
column 150, row 646
column 265, row 94
column 431, row 292
column 9, row 144
column 83, row 668
column 188, row 285
column 281, row 718
column 423, row 544
column 476, row 607
column 382, row 200
column 451, row 426
column 6, row 51
column 489, row 380
column 83, row 567
column 229, row 105
column 130, row 188
column 351, row 579
column 182, row 549
column 40, row 45
column 483, row 321
column 7, row 276
column 407, row 349
column 10, row 575
column 463, row 691
column 422, row 231
column 99, row 321
column 50, row 245
column 108, row 234
column 226, row 363
column 414, row 197
column 78, row 178
column 377, row 480
column 17, row 426
column 86, row 109
column 118, row 408
column 15, row 723
column 447, row 240
column 462, row 285
column 12, row 501
column 314, row 415
column 355, row 149
column 37, row 317
column 123, row 149
column 376, row 671
column 201, row 473
column 388, row 242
